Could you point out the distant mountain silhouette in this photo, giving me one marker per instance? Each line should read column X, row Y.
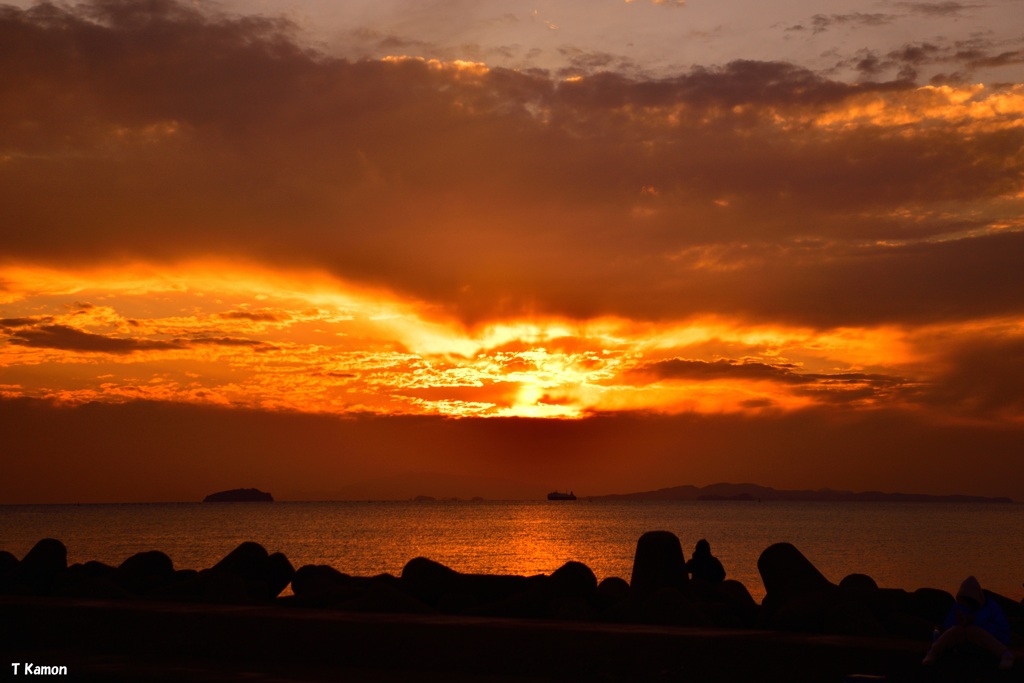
column 754, row 492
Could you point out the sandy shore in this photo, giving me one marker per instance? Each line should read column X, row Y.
column 136, row 640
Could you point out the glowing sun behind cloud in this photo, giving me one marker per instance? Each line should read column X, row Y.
column 245, row 336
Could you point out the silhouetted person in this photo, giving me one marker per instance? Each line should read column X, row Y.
column 977, row 621
column 705, row 566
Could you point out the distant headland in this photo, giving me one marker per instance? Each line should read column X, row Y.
column 239, row 496
column 754, row 492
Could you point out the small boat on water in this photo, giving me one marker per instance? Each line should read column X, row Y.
column 557, row 495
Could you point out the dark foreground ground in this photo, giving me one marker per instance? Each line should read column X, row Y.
column 109, row 640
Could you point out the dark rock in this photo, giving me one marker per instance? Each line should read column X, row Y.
column 485, row 588
column 7, row 562
column 264, row 576
column 1014, row 611
column 92, row 588
column 279, row 573
column 891, row 610
column 787, row 573
column 722, row 615
column 94, row 568
column 143, row 572
column 704, row 591
column 797, row 595
column 471, row 593
column 737, row 594
column 621, row 612
column 457, row 602
column 149, row 563
column 668, row 606
column 573, row 580
column 48, row 556
column 566, row 594
column 344, row 589
column 248, row 561
column 43, row 564
column 318, row 582
column 851, row 618
column 909, row 626
column 886, row 601
column 384, row 595
column 612, row 590
column 931, row 604
column 185, row 585
column 657, row 564
column 743, row 609
column 1014, row 615
column 858, row 582
column 530, row 603
column 445, row 589
column 427, row 580
column 1010, row 608
column 727, row 604
column 229, row 588
column 803, row 612
column 93, row 580
column 571, row 608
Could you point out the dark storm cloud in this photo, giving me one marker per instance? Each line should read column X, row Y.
column 70, row 339
column 226, row 341
column 591, row 62
column 255, row 316
column 8, row 323
column 921, row 53
column 679, row 368
column 828, row 287
column 1001, row 59
column 905, row 61
column 820, row 23
column 154, row 131
column 784, row 373
column 823, row 22
column 982, row 377
column 939, row 9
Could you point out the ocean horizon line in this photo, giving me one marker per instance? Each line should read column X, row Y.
column 717, row 492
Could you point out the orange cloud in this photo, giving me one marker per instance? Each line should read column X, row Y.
column 295, row 341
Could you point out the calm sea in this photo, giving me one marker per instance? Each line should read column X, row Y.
column 901, row 545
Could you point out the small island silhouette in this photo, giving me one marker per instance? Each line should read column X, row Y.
column 239, row 496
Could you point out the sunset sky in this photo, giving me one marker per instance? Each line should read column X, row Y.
column 387, row 247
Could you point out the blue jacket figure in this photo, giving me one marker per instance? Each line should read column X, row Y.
column 705, row 566
column 977, row 620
